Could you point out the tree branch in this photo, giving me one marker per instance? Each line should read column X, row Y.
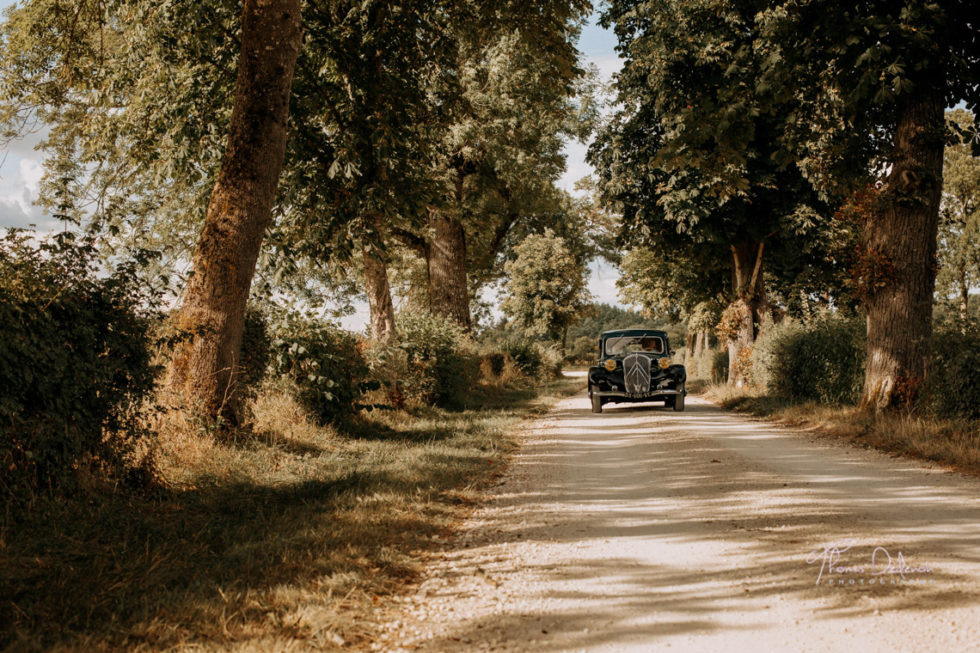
column 412, row 241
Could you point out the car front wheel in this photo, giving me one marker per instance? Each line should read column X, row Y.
column 678, row 403
column 596, row 403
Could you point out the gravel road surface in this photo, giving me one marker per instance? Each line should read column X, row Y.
column 642, row 529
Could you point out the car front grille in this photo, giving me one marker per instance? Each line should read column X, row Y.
column 636, row 373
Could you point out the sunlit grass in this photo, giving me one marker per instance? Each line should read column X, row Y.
column 285, row 534
column 952, row 442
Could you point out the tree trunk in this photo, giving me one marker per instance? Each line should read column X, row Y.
column 748, row 286
column 240, row 208
column 690, row 341
column 376, row 285
column 700, row 340
column 448, row 293
column 901, row 236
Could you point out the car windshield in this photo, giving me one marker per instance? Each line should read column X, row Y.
column 628, row 344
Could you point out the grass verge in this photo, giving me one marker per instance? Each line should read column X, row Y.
column 954, row 443
column 288, row 536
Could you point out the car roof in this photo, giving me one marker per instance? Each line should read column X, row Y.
column 616, row 333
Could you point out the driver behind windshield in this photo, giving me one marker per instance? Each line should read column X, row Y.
column 651, row 345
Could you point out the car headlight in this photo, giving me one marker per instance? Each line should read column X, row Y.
column 664, row 363
column 610, row 365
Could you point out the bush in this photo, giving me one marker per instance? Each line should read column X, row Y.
column 256, row 352
column 954, row 378
column 582, row 350
column 822, row 361
column 526, row 354
column 441, row 366
column 323, row 361
column 552, row 361
column 494, row 362
column 75, row 360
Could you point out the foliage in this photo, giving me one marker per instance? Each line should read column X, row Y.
column 959, row 223
column 848, row 71
column 75, row 360
column 820, row 361
column 323, row 361
column 692, row 160
column 954, row 377
column 598, row 317
column 256, row 353
column 440, row 366
column 545, row 287
column 665, row 282
column 525, row 353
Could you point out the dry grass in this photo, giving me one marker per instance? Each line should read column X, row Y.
column 954, row 443
column 284, row 536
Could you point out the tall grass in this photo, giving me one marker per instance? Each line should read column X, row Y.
column 953, row 442
column 287, row 534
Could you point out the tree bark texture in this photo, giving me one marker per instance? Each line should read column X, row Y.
column 203, row 370
column 900, row 241
column 700, row 343
column 751, row 303
column 448, row 292
column 689, row 344
column 382, row 310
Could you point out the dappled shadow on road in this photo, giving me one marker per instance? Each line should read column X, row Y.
column 706, row 513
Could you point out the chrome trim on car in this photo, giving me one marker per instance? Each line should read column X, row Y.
column 652, row 394
column 636, row 373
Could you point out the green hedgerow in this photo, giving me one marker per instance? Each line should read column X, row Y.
column 954, row 377
column 75, row 360
column 820, row 361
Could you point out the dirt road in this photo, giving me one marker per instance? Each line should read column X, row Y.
column 644, row 529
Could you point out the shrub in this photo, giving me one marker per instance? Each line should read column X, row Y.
column 75, row 360
column 441, row 366
column 954, row 378
column 581, row 350
column 551, row 360
column 820, row 361
column 323, row 361
column 494, row 362
column 527, row 355
column 256, row 352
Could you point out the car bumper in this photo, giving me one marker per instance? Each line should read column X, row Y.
column 652, row 394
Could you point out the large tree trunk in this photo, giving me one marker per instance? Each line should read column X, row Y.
column 900, row 238
column 750, row 305
column 240, row 208
column 448, row 293
column 376, row 285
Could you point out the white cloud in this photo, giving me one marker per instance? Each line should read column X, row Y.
column 20, row 178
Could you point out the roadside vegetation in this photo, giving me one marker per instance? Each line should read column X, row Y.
column 809, row 374
column 292, row 527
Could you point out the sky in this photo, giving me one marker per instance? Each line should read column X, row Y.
column 21, row 167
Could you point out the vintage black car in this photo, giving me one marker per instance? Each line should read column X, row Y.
column 634, row 365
